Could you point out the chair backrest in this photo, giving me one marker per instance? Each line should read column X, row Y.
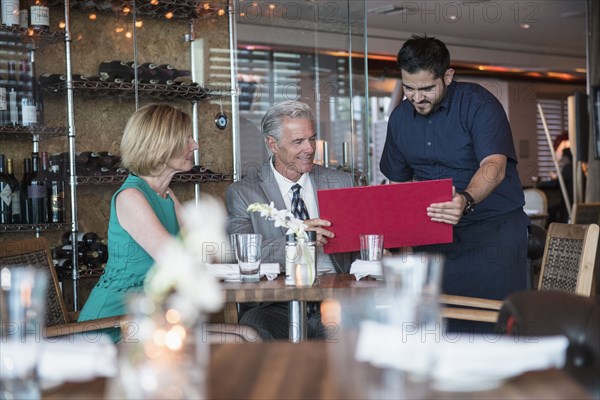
column 533, row 313
column 36, row 253
column 586, row 213
column 536, row 206
column 569, row 256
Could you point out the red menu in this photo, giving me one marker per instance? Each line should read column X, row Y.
column 398, row 211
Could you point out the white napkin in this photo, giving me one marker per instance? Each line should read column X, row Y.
column 361, row 268
column 76, row 358
column 231, row 272
column 463, row 362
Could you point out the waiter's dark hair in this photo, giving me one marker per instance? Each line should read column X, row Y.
column 423, row 53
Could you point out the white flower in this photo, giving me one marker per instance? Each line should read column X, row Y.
column 280, row 218
column 180, row 270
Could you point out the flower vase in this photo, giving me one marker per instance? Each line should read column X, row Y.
column 160, row 357
column 305, row 269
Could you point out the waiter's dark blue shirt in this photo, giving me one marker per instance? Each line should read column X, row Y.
column 469, row 125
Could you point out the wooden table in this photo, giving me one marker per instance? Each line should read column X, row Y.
column 328, row 286
column 310, row 370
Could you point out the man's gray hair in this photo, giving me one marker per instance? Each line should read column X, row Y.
column 273, row 119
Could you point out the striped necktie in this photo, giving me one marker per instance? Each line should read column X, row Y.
column 298, row 207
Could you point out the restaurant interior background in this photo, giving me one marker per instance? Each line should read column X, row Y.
column 307, row 50
column 302, row 49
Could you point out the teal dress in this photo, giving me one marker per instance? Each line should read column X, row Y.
column 128, row 262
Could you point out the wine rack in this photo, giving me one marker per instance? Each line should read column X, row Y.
column 177, row 178
column 146, row 90
column 15, row 34
column 33, row 227
column 169, row 9
column 27, row 132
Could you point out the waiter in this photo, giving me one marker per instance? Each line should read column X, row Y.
column 447, row 129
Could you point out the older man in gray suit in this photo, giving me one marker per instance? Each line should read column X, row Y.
column 289, row 130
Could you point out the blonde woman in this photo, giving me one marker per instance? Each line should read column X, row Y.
column 157, row 143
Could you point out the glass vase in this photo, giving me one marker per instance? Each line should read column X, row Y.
column 304, row 270
column 160, row 357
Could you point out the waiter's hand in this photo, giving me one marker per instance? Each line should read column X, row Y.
column 448, row 212
column 317, row 224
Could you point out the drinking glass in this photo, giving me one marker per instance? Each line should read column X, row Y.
column 22, row 319
column 371, row 247
column 248, row 253
column 413, row 284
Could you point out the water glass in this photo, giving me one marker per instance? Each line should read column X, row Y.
column 248, row 253
column 22, row 320
column 413, row 284
column 371, row 247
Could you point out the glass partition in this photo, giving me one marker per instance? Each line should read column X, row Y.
column 311, row 51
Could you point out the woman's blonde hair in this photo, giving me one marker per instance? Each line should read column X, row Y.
column 154, row 134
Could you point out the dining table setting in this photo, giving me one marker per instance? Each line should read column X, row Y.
column 384, row 338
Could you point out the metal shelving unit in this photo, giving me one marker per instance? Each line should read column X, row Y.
column 28, row 41
column 177, row 178
column 169, row 9
column 28, row 133
column 127, row 89
column 33, row 227
column 18, row 35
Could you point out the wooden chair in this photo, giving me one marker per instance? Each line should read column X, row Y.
column 59, row 322
column 567, row 265
column 586, row 213
column 536, row 206
column 569, row 257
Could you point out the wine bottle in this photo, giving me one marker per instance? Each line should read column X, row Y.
column 47, row 79
column 16, row 193
column 36, row 192
column 28, row 110
column 101, row 250
column 56, row 189
column 10, row 12
column 4, row 112
column 166, row 72
column 98, row 160
column 24, row 14
column 39, row 15
column 82, row 157
column 65, row 251
column 25, row 215
column 63, row 263
column 114, row 158
column 112, row 70
column 28, row 107
column 147, row 72
column 38, row 97
column 5, row 195
column 86, row 238
column 13, row 94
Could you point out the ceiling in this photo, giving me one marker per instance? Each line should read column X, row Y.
column 555, row 26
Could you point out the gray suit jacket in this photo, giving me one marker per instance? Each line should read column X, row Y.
column 260, row 186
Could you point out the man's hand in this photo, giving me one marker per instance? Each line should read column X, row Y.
column 317, row 224
column 448, row 212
